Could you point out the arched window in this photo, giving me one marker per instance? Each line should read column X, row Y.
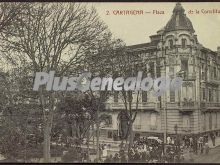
column 171, row 43
column 183, row 43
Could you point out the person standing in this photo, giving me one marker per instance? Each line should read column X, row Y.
column 191, row 142
column 200, row 142
column 206, row 147
column 168, row 140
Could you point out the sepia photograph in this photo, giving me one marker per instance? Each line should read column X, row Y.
column 109, row 82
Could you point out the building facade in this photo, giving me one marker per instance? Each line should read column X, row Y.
column 195, row 108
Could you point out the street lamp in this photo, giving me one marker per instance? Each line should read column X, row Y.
column 177, row 141
column 87, row 116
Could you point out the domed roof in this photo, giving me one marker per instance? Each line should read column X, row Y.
column 179, row 21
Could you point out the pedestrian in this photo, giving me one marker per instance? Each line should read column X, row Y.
column 122, row 156
column 200, row 142
column 168, row 140
column 116, row 158
column 206, row 148
column 136, row 156
column 195, row 145
column 191, row 142
column 131, row 155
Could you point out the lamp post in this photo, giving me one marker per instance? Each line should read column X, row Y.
column 87, row 117
column 177, row 141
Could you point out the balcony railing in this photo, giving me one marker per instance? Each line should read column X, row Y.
column 189, row 76
column 183, row 51
column 144, row 105
column 213, row 80
column 188, row 104
column 206, row 105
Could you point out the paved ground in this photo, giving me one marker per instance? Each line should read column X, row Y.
column 212, row 157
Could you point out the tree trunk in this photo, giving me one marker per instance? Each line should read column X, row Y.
column 88, row 146
column 97, row 140
column 93, row 136
column 131, row 135
column 46, row 146
column 48, row 119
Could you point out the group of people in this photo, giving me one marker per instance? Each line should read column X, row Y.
column 144, row 150
column 197, row 143
column 175, row 150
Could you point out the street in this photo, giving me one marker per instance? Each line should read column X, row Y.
column 212, row 157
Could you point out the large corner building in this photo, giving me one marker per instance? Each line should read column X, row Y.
column 193, row 109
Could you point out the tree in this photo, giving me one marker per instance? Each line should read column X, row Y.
column 8, row 12
column 104, row 50
column 50, row 36
column 78, row 115
column 20, row 116
column 127, row 64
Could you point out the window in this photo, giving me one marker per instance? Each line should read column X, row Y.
column 203, row 93
column 171, row 70
column 210, row 121
column 184, row 65
column 110, row 134
column 144, row 96
column 151, row 69
column 172, row 96
column 115, row 97
column 183, row 43
column 216, row 120
column 215, row 72
column 210, row 95
column 203, row 72
column 186, row 121
column 203, row 121
column 171, row 44
column 158, row 69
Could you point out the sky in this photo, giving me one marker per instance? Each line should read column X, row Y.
column 136, row 29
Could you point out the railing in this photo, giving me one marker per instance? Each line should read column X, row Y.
column 206, row 105
column 173, row 104
column 213, row 104
column 213, row 80
column 188, row 104
column 189, row 76
column 185, row 50
column 120, row 105
column 168, row 51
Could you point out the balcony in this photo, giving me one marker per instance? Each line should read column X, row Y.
column 213, row 80
column 210, row 106
column 187, row 106
column 183, row 50
column 189, row 77
column 173, row 104
column 171, row 51
column 142, row 106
